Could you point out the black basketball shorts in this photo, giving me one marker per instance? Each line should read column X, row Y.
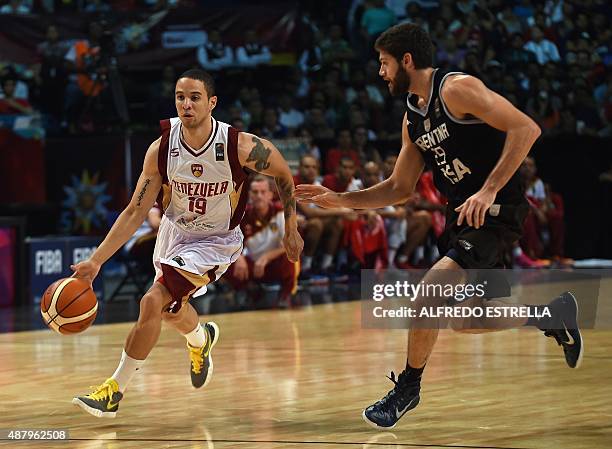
column 484, row 247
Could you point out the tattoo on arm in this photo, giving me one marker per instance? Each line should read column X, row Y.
column 285, row 191
column 143, row 191
column 259, row 154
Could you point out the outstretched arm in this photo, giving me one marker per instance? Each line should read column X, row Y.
column 130, row 219
column 394, row 190
column 261, row 156
column 465, row 95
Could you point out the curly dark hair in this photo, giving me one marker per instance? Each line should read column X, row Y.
column 407, row 38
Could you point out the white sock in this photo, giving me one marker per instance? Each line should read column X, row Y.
column 402, row 258
column 126, row 370
column 517, row 251
column 306, row 262
column 197, row 337
column 327, row 261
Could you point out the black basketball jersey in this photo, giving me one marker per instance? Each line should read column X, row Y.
column 461, row 152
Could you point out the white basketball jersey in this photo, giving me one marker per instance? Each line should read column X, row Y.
column 202, row 188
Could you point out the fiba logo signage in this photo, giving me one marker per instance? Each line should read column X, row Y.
column 81, row 254
column 48, row 261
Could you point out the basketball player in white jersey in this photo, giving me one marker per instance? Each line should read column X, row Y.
column 197, row 171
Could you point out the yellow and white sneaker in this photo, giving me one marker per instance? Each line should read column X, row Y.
column 201, row 358
column 103, row 402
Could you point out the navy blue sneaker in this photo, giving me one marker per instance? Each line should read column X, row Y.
column 404, row 396
column 564, row 310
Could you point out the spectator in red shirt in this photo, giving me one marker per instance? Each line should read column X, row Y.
column 264, row 258
column 367, row 236
column 343, row 179
column 344, row 149
column 544, row 223
column 321, row 228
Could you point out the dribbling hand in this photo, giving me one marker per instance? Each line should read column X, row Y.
column 86, row 270
column 293, row 243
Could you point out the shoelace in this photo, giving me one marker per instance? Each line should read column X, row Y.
column 395, row 381
column 195, row 354
column 102, row 392
column 392, row 378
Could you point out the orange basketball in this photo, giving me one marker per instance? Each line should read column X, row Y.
column 69, row 306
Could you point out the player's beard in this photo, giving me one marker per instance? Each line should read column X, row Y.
column 400, row 84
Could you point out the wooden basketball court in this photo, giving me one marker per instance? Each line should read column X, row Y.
column 301, row 378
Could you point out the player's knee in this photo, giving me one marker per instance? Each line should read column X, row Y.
column 150, row 306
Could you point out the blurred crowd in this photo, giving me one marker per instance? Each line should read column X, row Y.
column 550, row 58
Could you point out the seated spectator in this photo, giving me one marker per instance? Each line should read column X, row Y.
column 510, row 21
column 317, row 125
column 271, row 128
column 10, row 105
column 252, row 53
column 288, row 115
column 388, row 165
column 336, row 50
column 544, row 111
column 366, row 237
column 364, row 147
column 343, row 149
column 543, row 49
column 21, row 89
column 214, row 54
column 394, row 217
column 376, row 19
column 406, row 228
column 517, row 56
column 367, row 240
column 255, row 112
column 449, row 55
column 429, row 199
column 264, row 258
column 322, row 228
column 308, row 147
column 544, row 229
column 343, row 179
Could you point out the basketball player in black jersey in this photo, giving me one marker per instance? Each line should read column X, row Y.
column 474, row 140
